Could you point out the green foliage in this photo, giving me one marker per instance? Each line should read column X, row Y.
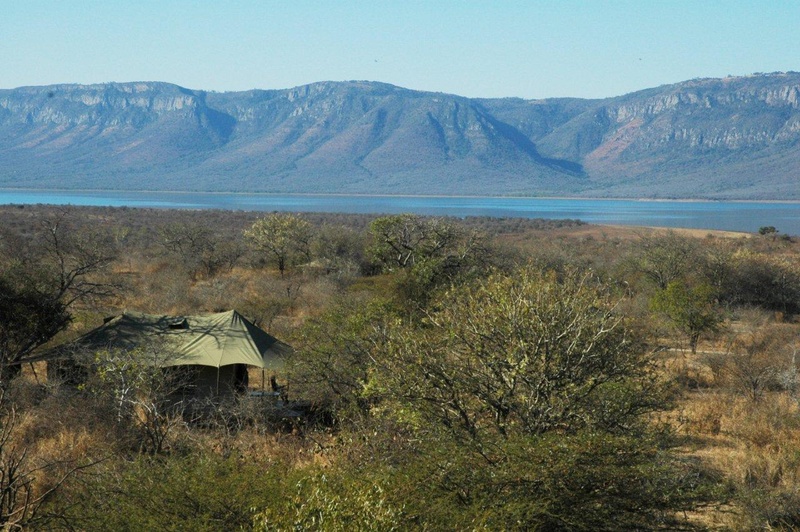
column 691, row 309
column 284, row 238
column 529, row 394
column 402, row 240
column 333, row 501
column 518, row 402
column 429, row 252
column 767, row 230
column 200, row 492
column 335, row 356
column 580, row 481
column 524, row 354
column 206, row 492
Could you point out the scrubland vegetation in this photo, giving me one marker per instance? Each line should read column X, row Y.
column 459, row 374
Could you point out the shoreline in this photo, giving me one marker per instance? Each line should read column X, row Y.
column 366, row 195
column 707, row 215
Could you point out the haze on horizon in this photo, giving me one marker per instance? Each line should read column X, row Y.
column 529, row 49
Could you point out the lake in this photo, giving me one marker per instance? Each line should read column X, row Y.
column 723, row 215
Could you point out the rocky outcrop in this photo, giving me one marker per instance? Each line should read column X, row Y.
column 731, row 137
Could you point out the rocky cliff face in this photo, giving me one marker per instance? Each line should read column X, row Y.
column 732, row 137
column 114, row 104
column 730, row 113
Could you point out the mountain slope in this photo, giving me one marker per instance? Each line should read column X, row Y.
column 715, row 138
column 732, row 137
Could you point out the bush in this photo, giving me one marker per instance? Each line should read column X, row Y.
column 766, row 281
column 332, row 502
column 532, row 392
column 200, row 492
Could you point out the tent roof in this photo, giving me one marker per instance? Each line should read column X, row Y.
column 208, row 340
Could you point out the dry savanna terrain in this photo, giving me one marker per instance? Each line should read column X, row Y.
column 446, row 374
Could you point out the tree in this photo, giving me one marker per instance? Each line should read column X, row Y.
column 340, row 249
column 691, row 309
column 285, row 238
column 430, row 253
column 762, row 359
column 142, row 393
column 667, row 258
column 336, row 354
column 764, row 280
column 28, row 318
column 200, row 248
column 403, row 240
column 43, row 281
column 73, row 257
column 525, row 353
column 525, row 397
column 767, row 230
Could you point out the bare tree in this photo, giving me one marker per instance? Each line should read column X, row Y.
column 666, row 258
column 200, row 248
column 73, row 256
column 145, row 395
column 20, row 500
column 59, row 267
column 763, row 359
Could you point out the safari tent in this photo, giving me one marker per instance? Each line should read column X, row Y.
column 215, row 349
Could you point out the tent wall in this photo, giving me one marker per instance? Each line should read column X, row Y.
column 200, row 382
column 67, row 371
column 207, row 384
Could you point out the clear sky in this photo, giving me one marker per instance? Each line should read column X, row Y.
column 492, row 48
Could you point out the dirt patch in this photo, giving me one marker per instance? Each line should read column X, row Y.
column 626, row 232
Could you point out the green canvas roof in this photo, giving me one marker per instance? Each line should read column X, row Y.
column 207, row 340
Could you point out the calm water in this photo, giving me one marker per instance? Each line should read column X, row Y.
column 731, row 216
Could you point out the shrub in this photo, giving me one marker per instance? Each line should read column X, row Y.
column 532, row 393
column 200, row 492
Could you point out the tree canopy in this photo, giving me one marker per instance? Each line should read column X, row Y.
column 41, row 281
column 284, row 238
column 525, row 387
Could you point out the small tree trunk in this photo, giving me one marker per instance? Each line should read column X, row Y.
column 693, row 339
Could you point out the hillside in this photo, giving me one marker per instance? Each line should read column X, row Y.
column 735, row 138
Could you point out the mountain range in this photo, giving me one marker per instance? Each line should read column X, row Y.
column 729, row 138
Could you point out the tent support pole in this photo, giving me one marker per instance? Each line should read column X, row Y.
column 33, row 369
column 262, row 380
column 217, row 381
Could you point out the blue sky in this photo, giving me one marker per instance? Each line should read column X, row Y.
column 530, row 49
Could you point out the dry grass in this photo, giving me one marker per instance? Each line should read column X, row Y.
column 629, row 232
column 755, row 443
